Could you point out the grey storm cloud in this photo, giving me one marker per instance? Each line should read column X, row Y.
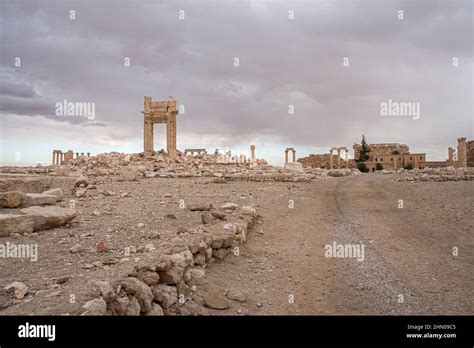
column 282, row 62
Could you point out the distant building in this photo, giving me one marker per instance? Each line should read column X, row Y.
column 470, row 153
column 394, row 156
column 391, row 156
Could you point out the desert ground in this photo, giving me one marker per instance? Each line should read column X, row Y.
column 409, row 266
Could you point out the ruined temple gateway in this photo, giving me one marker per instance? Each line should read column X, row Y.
column 160, row 112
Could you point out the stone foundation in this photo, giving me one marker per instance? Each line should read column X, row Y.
column 165, row 278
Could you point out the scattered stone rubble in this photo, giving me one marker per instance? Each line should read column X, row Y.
column 130, row 167
column 434, row 174
column 166, row 277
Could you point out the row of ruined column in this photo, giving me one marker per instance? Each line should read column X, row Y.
column 60, row 157
column 338, row 149
column 242, row 159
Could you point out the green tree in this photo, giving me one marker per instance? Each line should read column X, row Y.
column 378, row 166
column 364, row 151
column 362, row 167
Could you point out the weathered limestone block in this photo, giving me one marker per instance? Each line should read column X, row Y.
column 106, row 290
column 163, row 263
column 239, row 229
column 133, row 308
column 156, row 310
column 228, row 239
column 58, row 192
column 140, row 290
column 148, row 277
column 125, row 306
column 177, row 245
column 39, row 199
column 197, row 244
column 11, row 199
column 49, row 217
column 216, row 241
column 229, row 206
column 248, row 210
column 200, row 259
column 215, row 299
column 18, row 289
column 95, row 307
column 193, row 275
column 119, row 306
column 30, row 184
column 294, row 167
column 165, row 294
column 208, row 254
column 179, row 262
column 14, row 223
column 220, row 254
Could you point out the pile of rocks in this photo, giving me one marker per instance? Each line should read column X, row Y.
column 130, row 167
column 436, row 174
column 166, row 277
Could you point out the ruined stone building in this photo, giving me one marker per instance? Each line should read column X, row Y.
column 160, row 112
column 391, row 156
column 470, row 153
column 319, row 161
column 394, row 156
column 337, row 158
column 60, row 157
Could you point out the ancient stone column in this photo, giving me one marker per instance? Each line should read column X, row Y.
column 77, row 155
column 171, row 135
column 339, row 158
column 330, row 159
column 54, row 153
column 450, row 155
column 462, row 152
column 88, row 154
column 147, row 127
column 57, row 157
column 294, row 155
column 252, row 153
column 286, row 156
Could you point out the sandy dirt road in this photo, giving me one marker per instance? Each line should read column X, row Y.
column 409, row 266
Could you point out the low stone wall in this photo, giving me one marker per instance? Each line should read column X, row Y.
column 166, row 277
column 437, row 174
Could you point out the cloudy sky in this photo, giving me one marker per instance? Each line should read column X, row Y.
column 333, row 62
